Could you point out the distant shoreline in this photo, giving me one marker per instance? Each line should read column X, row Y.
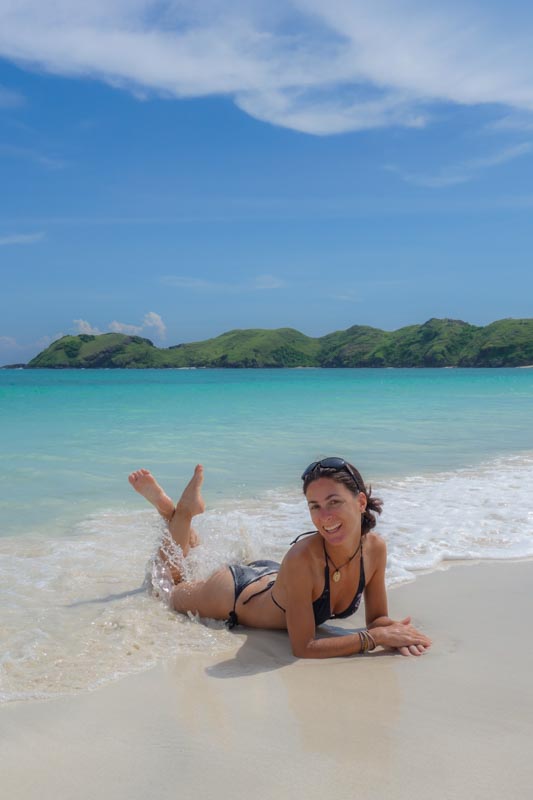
column 26, row 368
column 436, row 343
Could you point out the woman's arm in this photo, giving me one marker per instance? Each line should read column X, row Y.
column 299, row 615
column 386, row 631
column 301, row 622
column 376, row 606
column 302, row 630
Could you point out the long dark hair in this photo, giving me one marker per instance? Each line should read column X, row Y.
column 373, row 504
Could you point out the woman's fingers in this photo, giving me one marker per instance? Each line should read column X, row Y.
column 402, row 636
column 414, row 633
column 411, row 650
column 414, row 643
column 420, row 637
column 417, row 649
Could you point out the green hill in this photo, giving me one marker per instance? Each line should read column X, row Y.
column 353, row 347
column 107, row 350
column 436, row 343
column 506, row 343
column 284, row 347
column 247, row 348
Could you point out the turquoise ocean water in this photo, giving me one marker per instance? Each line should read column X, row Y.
column 450, row 451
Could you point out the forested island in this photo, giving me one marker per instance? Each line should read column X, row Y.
column 436, row 343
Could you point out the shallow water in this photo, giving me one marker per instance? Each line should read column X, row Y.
column 450, row 452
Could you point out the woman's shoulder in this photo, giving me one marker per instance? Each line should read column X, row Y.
column 305, row 549
column 375, row 553
column 375, row 545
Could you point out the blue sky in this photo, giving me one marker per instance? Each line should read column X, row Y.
column 178, row 169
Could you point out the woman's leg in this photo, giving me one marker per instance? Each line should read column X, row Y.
column 213, row 597
column 190, row 504
column 144, row 482
column 179, row 517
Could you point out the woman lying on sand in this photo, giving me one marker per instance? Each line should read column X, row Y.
column 323, row 576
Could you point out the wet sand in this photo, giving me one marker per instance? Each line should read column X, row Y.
column 455, row 723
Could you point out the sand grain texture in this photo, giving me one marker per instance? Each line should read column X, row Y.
column 456, row 723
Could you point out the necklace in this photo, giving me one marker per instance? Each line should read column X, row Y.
column 337, row 574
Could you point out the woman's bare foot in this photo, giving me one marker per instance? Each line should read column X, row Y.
column 191, row 501
column 144, row 482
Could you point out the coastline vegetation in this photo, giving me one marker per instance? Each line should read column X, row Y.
column 436, row 343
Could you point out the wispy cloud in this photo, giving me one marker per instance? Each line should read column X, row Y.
column 10, row 99
column 150, row 320
column 21, row 238
column 463, row 172
column 13, row 151
column 82, row 326
column 46, row 341
column 521, row 121
column 267, row 282
column 18, row 349
column 347, row 296
column 8, row 342
column 123, row 327
column 196, row 284
column 495, row 159
column 258, row 284
column 316, row 67
column 153, row 320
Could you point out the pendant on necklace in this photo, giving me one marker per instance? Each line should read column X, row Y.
column 336, row 576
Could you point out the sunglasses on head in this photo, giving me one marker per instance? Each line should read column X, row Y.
column 337, row 464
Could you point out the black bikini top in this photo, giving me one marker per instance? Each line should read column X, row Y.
column 321, row 606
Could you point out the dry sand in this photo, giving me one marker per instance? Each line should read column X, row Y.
column 455, row 723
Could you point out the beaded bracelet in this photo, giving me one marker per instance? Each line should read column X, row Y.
column 367, row 641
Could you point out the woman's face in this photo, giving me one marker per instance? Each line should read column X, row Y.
column 335, row 511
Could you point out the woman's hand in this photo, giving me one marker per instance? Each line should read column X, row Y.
column 401, row 636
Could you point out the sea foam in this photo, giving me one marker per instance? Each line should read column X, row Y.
column 78, row 610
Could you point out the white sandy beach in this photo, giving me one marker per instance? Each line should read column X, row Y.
column 455, row 723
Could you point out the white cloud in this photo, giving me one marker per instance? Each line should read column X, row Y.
column 326, row 112
column 123, row 327
column 513, row 122
column 463, row 172
column 21, row 238
column 305, row 64
column 259, row 283
column 83, row 326
column 509, row 154
column 153, row 320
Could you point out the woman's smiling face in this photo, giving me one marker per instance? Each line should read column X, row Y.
column 335, row 511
